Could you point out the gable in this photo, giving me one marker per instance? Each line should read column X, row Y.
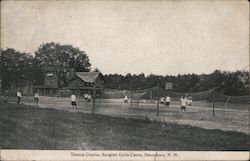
column 88, row 77
column 76, row 83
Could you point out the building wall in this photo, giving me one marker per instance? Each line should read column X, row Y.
column 58, row 77
column 70, row 74
column 53, row 85
column 76, row 83
column 99, row 82
column 51, row 79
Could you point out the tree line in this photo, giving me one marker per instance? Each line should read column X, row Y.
column 228, row 83
column 17, row 67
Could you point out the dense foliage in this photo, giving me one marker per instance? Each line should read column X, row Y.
column 17, row 67
column 55, row 54
column 229, row 83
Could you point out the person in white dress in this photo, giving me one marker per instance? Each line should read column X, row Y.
column 189, row 101
column 36, row 96
column 19, row 96
column 73, row 101
column 89, row 97
column 168, row 99
column 126, row 99
column 162, row 100
column 183, row 104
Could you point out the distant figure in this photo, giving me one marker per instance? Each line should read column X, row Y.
column 36, row 96
column 89, row 98
column 126, row 99
column 73, row 101
column 162, row 100
column 85, row 96
column 19, row 96
column 168, row 99
column 183, row 104
column 189, row 101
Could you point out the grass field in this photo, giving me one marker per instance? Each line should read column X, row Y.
column 31, row 127
column 234, row 117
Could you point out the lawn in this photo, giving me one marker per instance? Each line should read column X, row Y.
column 30, row 127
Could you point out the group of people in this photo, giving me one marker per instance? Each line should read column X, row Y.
column 184, row 101
column 73, row 99
column 19, row 96
column 87, row 97
column 165, row 100
column 36, row 98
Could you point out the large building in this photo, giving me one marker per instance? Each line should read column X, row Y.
column 65, row 81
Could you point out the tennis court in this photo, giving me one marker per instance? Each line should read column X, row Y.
column 232, row 117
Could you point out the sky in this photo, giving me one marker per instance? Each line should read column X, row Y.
column 152, row 37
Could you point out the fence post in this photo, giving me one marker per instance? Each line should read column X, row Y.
column 137, row 101
column 93, row 102
column 151, row 96
column 213, row 102
column 227, row 101
column 131, row 99
column 157, row 97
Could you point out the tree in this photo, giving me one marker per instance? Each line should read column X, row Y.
column 54, row 54
column 228, row 83
column 97, row 70
column 16, row 67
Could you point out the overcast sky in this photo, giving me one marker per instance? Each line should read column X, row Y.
column 159, row 37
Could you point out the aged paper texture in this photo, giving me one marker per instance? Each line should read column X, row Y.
column 124, row 80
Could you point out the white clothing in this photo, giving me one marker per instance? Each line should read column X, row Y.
column 85, row 96
column 89, row 96
column 73, row 98
column 168, row 99
column 36, row 95
column 19, row 94
column 189, row 102
column 183, row 102
column 126, row 98
column 162, row 99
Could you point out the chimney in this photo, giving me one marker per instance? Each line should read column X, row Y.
column 70, row 74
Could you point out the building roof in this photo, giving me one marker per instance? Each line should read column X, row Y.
column 89, row 77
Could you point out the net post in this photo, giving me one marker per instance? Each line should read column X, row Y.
column 213, row 102
column 93, row 101
column 131, row 99
column 157, row 97
column 151, row 95
column 227, row 101
column 137, row 98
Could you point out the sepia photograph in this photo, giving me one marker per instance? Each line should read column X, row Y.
column 124, row 79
